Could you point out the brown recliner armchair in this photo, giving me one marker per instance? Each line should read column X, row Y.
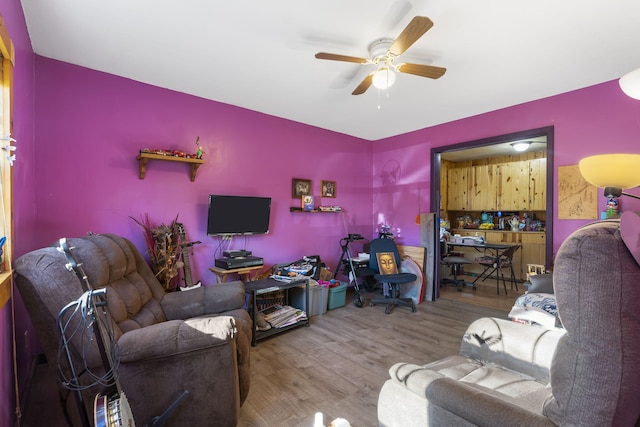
column 198, row 340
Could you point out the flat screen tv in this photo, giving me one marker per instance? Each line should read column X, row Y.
column 238, row 215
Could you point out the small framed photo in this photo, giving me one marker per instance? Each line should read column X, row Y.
column 300, row 187
column 328, row 188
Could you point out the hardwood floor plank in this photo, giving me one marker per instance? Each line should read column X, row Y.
column 338, row 365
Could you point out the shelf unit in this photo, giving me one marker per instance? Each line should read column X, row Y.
column 143, row 158
column 295, row 209
column 264, row 286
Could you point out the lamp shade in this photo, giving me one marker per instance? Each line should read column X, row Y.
column 611, row 170
column 630, row 84
column 384, row 78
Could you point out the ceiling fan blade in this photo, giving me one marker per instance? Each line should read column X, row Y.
column 364, row 85
column 345, row 58
column 412, row 32
column 421, row 70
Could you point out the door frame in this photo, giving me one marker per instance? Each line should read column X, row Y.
column 547, row 131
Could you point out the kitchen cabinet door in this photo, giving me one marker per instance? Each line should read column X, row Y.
column 513, row 186
column 537, row 184
column 457, row 187
column 483, row 188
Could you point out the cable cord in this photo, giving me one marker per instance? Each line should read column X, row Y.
column 79, row 327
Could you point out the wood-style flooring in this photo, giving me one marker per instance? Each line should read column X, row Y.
column 336, row 366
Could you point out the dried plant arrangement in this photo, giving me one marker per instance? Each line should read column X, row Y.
column 163, row 247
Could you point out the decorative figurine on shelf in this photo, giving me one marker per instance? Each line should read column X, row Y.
column 200, row 151
column 612, row 207
column 514, row 223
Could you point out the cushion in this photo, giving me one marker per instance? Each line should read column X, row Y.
column 594, row 374
column 541, row 283
column 535, row 308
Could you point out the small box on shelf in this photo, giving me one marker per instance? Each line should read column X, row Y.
column 307, row 203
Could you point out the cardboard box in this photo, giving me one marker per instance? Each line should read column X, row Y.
column 337, row 296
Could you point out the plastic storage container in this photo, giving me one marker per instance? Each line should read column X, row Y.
column 337, row 296
column 317, row 298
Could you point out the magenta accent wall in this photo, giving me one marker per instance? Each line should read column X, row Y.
column 91, row 126
column 24, row 208
column 84, row 177
column 594, row 120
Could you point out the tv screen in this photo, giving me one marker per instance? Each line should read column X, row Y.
column 238, row 215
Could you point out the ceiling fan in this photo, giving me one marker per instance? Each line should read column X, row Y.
column 384, row 53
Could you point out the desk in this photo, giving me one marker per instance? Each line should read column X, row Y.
column 221, row 273
column 491, row 250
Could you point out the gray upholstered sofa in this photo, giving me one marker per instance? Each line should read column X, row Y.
column 511, row 374
column 198, row 340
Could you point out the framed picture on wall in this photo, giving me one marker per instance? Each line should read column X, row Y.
column 328, row 188
column 300, row 187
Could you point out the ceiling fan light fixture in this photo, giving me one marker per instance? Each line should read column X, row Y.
column 521, row 145
column 630, row 84
column 384, row 78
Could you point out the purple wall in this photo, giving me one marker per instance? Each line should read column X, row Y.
column 24, row 207
column 92, row 125
column 594, row 120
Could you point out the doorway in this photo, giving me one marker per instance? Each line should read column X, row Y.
column 472, row 148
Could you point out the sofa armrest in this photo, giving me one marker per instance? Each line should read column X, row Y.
column 523, row 348
column 480, row 408
column 204, row 300
column 174, row 337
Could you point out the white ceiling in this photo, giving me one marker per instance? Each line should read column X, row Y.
column 260, row 54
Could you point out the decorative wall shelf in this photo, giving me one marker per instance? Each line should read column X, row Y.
column 294, row 209
column 143, row 158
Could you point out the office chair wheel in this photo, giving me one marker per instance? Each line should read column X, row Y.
column 358, row 300
column 414, row 309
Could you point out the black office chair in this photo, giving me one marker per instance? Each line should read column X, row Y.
column 455, row 262
column 390, row 281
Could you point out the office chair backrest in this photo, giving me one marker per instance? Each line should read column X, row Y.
column 382, row 245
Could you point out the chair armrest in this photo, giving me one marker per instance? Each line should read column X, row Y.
column 523, row 348
column 176, row 337
column 204, row 300
column 480, row 408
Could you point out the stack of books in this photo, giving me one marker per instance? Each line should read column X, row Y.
column 280, row 316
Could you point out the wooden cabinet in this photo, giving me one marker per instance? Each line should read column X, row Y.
column 533, row 251
column 457, row 189
column 537, row 184
column 482, row 189
column 513, row 186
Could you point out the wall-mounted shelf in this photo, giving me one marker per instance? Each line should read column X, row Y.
column 143, row 158
column 294, row 209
